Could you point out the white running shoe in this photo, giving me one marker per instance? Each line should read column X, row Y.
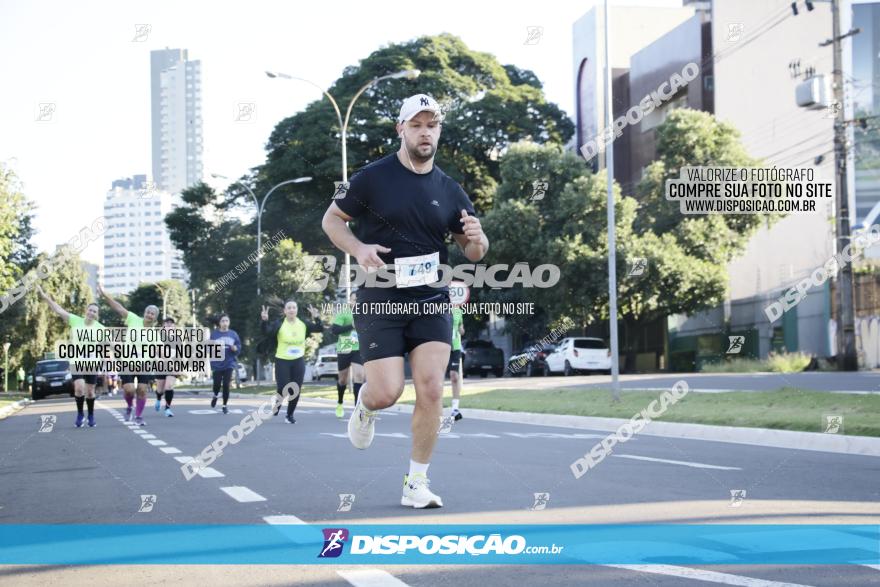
column 417, row 495
column 361, row 426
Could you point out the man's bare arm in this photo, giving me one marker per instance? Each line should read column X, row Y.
column 473, row 251
column 334, row 224
column 473, row 242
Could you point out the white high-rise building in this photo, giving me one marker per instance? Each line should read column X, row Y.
column 176, row 95
column 137, row 246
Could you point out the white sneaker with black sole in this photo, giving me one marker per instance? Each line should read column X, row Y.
column 361, row 426
column 417, row 495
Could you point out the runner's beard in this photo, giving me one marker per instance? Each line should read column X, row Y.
column 415, row 155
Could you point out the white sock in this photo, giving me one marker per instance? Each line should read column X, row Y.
column 418, row 468
column 454, row 404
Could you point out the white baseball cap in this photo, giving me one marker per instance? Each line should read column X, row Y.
column 419, row 103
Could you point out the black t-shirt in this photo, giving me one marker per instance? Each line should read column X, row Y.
column 408, row 212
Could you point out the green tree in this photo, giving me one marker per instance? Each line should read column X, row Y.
column 16, row 251
column 695, row 138
column 686, row 256
column 489, row 107
column 177, row 300
column 39, row 328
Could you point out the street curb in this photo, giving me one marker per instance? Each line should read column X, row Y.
column 16, row 407
column 788, row 439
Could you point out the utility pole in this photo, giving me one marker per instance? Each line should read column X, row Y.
column 846, row 329
column 612, row 244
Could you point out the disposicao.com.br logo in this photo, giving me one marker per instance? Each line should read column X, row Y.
column 450, row 544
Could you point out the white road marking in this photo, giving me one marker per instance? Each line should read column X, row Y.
column 209, row 473
column 371, row 578
column 684, row 463
column 157, row 442
column 148, row 436
column 552, row 435
column 242, row 494
column 170, row 450
column 703, row 575
column 281, row 520
column 204, row 472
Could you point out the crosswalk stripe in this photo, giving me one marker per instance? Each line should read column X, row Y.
column 282, row 519
column 204, row 472
column 242, row 494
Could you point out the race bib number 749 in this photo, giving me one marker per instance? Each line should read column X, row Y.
column 419, row 270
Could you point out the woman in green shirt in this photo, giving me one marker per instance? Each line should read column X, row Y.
column 83, row 385
column 288, row 336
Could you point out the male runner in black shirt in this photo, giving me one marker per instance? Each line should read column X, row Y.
column 407, row 204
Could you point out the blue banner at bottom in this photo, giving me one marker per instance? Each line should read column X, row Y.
column 688, row 544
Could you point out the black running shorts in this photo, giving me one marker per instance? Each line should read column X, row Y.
column 346, row 360
column 454, row 358
column 390, row 323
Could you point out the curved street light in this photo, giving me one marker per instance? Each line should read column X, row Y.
column 261, row 205
column 343, row 126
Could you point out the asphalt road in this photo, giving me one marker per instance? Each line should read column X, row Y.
column 486, row 472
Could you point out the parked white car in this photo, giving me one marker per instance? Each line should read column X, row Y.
column 579, row 354
column 325, row 366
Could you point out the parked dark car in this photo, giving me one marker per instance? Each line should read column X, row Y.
column 51, row 377
column 530, row 360
column 481, row 356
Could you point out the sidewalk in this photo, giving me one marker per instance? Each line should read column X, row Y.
column 815, row 441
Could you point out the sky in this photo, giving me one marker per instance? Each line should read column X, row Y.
column 88, row 60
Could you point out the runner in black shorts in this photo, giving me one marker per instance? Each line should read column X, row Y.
column 132, row 320
column 83, row 385
column 348, row 354
column 410, row 206
column 455, row 361
column 165, row 381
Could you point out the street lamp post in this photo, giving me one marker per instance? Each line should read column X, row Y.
column 343, row 127
column 192, row 293
column 261, row 205
column 164, row 293
column 6, row 346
